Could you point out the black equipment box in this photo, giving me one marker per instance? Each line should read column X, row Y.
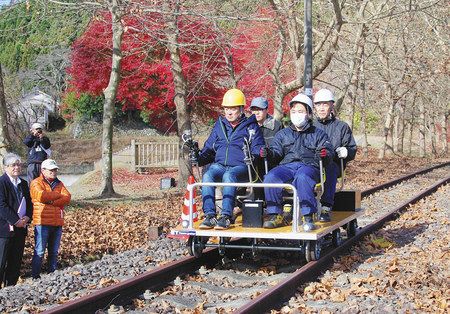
column 347, row 201
column 252, row 214
column 167, row 183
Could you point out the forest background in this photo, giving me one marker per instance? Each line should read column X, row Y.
column 166, row 64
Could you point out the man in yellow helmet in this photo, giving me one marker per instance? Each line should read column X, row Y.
column 224, row 149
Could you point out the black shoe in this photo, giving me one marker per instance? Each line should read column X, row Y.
column 274, row 221
column 223, row 222
column 308, row 223
column 325, row 214
column 209, row 222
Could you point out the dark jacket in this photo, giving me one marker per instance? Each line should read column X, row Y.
column 9, row 204
column 269, row 128
column 290, row 145
column 224, row 145
column 37, row 154
column 340, row 135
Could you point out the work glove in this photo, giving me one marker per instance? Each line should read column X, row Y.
column 342, row 152
column 265, row 152
column 323, row 153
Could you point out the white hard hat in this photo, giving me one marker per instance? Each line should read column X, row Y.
column 37, row 125
column 302, row 98
column 49, row 164
column 323, row 95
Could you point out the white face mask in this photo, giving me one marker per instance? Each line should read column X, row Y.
column 299, row 119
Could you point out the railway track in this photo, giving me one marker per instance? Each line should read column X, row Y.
column 183, row 283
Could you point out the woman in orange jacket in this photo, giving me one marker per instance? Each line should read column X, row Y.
column 49, row 196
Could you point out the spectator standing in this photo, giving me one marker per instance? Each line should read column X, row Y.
column 15, row 213
column 49, row 196
column 39, row 150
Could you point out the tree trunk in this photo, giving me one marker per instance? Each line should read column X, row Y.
column 395, row 133
column 444, row 135
column 386, row 129
column 401, row 143
column 364, row 143
column 180, row 86
column 421, row 129
column 4, row 135
column 278, row 103
column 110, row 96
column 432, row 132
column 411, row 127
column 352, row 111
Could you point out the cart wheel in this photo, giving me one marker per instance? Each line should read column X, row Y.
column 312, row 250
column 195, row 246
column 351, row 228
column 336, row 238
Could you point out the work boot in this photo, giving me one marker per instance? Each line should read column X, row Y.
column 287, row 213
column 325, row 214
column 223, row 222
column 308, row 223
column 274, row 221
column 209, row 222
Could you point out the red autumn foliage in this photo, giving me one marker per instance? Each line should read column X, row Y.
column 254, row 54
column 146, row 79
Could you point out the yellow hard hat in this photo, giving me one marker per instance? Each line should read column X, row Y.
column 233, row 98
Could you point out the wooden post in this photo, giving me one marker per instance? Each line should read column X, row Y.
column 133, row 153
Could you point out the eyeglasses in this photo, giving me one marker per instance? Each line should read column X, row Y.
column 52, row 170
column 14, row 165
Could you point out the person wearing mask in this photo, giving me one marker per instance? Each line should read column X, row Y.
column 15, row 213
column 343, row 143
column 298, row 150
column 224, row 150
column 39, row 150
column 49, row 196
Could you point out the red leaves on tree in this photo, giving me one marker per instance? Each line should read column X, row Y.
column 146, row 79
column 254, row 54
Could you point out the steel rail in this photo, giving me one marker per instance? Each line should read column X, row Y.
column 123, row 291
column 404, row 178
column 159, row 277
column 285, row 289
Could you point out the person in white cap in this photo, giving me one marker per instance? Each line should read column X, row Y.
column 49, row 196
column 39, row 150
column 298, row 150
column 341, row 138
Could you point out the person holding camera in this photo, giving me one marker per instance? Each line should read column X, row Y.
column 39, row 150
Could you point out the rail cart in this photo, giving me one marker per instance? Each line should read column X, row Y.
column 345, row 212
column 248, row 227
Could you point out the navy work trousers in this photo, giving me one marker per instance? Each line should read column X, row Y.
column 302, row 176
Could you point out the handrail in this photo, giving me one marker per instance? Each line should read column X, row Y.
column 296, row 206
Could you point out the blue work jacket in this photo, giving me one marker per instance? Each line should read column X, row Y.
column 225, row 143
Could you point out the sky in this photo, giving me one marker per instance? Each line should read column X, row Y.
column 3, row 2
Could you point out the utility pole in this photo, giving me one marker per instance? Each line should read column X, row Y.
column 307, row 73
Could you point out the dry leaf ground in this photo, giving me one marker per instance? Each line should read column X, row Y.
column 402, row 268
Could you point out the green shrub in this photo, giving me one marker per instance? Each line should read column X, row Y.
column 372, row 121
column 82, row 106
